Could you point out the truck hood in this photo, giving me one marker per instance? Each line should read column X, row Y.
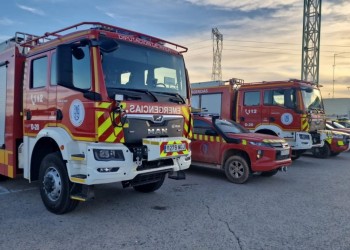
column 344, row 130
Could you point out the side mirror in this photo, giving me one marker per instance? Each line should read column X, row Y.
column 108, row 45
column 64, row 65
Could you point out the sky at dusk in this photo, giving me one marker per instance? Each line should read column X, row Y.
column 262, row 40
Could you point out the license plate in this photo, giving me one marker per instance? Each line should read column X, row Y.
column 285, row 152
column 169, row 148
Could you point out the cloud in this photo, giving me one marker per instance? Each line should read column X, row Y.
column 110, row 14
column 32, row 10
column 6, row 21
column 247, row 5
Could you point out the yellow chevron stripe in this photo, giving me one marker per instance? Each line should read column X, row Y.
column 117, row 131
column 104, row 126
column 105, row 105
column 185, row 112
column 111, row 138
column 100, row 113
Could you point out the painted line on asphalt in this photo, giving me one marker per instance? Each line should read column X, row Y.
column 4, row 191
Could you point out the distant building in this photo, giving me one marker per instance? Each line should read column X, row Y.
column 337, row 107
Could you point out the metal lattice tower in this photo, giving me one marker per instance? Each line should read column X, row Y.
column 217, row 49
column 311, row 41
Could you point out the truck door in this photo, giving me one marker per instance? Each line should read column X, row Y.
column 36, row 95
column 279, row 108
column 205, row 147
column 249, row 115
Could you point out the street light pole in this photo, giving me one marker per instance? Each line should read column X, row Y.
column 333, row 72
column 336, row 54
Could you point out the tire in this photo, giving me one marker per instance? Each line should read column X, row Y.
column 334, row 154
column 55, row 186
column 150, row 187
column 3, row 178
column 296, row 154
column 322, row 152
column 269, row 173
column 237, row 169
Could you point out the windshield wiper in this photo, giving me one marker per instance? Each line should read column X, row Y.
column 176, row 97
column 140, row 91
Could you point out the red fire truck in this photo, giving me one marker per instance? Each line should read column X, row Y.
column 290, row 109
column 90, row 104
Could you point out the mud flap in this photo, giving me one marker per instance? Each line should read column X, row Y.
column 178, row 175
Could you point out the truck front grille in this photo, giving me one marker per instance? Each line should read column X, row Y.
column 144, row 126
column 155, row 164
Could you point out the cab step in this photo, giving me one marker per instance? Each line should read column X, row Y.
column 82, row 193
column 77, row 157
column 78, row 178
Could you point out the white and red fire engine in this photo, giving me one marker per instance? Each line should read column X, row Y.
column 290, row 109
column 83, row 106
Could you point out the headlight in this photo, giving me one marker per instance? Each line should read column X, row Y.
column 108, row 155
column 260, row 144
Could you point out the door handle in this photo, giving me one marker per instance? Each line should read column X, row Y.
column 241, row 119
column 28, row 115
column 59, row 115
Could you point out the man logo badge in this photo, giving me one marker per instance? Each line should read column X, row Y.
column 157, row 118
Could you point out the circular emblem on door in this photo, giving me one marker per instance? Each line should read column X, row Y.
column 287, row 118
column 76, row 113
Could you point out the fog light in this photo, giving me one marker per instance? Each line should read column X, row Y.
column 259, row 154
column 107, row 170
column 188, row 158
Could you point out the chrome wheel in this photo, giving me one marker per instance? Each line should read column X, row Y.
column 52, row 184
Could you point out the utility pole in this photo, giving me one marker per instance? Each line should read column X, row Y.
column 217, row 50
column 311, row 41
column 335, row 54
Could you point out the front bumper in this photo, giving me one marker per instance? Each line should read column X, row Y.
column 270, row 160
column 87, row 170
column 338, row 146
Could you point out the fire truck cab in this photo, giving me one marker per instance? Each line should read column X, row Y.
column 292, row 109
column 81, row 107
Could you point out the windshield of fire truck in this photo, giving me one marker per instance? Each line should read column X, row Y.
column 312, row 99
column 134, row 67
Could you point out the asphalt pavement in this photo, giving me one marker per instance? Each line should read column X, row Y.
column 308, row 207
